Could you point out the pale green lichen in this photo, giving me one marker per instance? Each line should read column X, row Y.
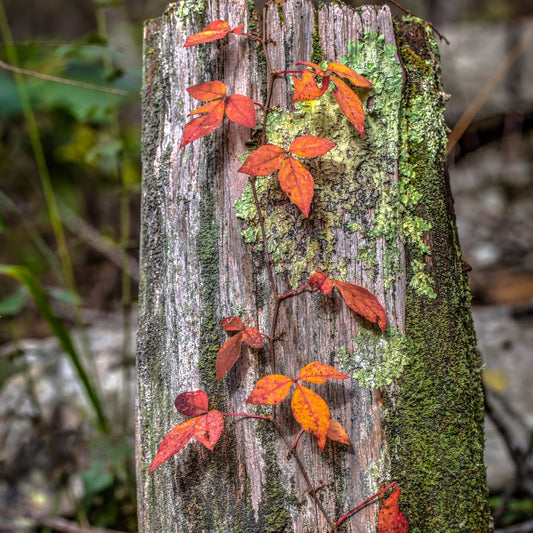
column 377, row 360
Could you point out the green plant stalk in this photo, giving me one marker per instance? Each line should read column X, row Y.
column 48, row 191
column 24, row 276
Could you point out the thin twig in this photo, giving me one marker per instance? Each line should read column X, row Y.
column 409, row 12
column 64, row 81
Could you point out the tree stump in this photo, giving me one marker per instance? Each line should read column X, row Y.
column 381, row 217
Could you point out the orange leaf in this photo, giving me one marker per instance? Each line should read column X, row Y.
column 310, row 146
column 264, row 161
column 338, row 433
column 228, row 354
column 206, row 108
column 311, row 412
column 192, row 403
column 174, row 441
column 363, row 302
column 317, row 68
column 209, row 428
column 319, row 280
column 348, row 73
column 238, row 29
column 207, row 91
column 253, row 338
column 391, row 519
column 350, row 105
column 201, row 126
column 297, row 182
column 213, row 31
column 307, row 88
column 318, row 372
column 241, row 109
column 232, row 323
column 270, row 390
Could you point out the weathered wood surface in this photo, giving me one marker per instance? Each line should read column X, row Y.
column 197, row 269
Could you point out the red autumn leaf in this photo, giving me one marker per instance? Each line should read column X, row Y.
column 319, row 280
column 209, row 428
column 391, row 519
column 350, row 105
column 310, row 146
column 201, row 126
column 192, row 403
column 270, row 390
column 307, row 88
column 264, row 161
column 337, row 432
column 346, row 72
column 213, row 31
column 238, row 29
column 174, row 441
column 253, row 338
column 318, row 372
column 232, row 323
column 311, row 412
column 228, row 354
column 363, row 302
column 241, row 109
column 210, row 90
column 317, row 68
column 297, row 183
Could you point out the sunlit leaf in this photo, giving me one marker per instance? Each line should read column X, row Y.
column 318, row 372
column 241, row 109
column 209, row 428
column 297, row 183
column 317, row 68
column 311, row 412
column 228, row 354
column 391, row 519
column 319, row 281
column 192, row 403
column 270, row 390
column 310, row 146
column 348, row 73
column 253, row 338
column 201, row 126
column 206, row 108
column 232, row 323
column 306, row 87
column 350, row 105
column 337, row 432
column 174, row 441
column 264, row 161
column 213, row 31
column 363, row 302
column 207, row 91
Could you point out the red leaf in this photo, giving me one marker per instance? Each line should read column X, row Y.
column 213, row 31
column 264, row 161
column 318, row 372
column 202, row 126
column 310, row 146
column 319, row 280
column 297, row 182
column 307, row 88
column 337, row 432
column 363, row 302
column 206, row 108
column 232, row 323
column 317, row 68
column 391, row 519
column 174, row 441
column 207, row 91
column 253, row 338
column 238, row 29
column 192, row 403
column 241, row 109
column 346, row 72
column 209, row 428
column 270, row 390
column 228, row 354
column 350, row 105
column 311, row 412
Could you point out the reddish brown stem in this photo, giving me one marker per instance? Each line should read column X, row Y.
column 245, row 415
column 293, row 447
column 254, row 37
column 366, row 502
column 293, row 292
column 281, row 72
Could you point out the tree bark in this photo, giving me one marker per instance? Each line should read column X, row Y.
column 381, row 217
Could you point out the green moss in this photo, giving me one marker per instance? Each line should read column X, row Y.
column 317, row 54
column 188, row 8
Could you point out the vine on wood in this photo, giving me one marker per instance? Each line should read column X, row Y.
column 309, row 409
